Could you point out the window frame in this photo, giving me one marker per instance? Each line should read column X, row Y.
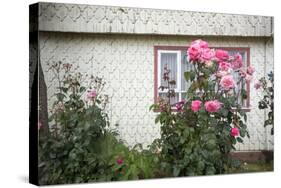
column 157, row 79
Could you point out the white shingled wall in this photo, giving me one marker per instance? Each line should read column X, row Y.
column 126, row 62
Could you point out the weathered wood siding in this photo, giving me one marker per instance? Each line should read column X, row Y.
column 109, row 19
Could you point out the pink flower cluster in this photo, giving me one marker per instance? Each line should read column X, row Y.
column 210, row 106
column 180, row 105
column 200, row 51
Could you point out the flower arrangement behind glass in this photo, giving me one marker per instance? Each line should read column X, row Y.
column 198, row 133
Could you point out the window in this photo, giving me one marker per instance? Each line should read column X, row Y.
column 175, row 58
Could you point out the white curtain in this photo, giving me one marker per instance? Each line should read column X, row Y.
column 169, row 59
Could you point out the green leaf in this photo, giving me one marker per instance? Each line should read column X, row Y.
column 157, row 119
column 60, row 96
column 245, row 117
column 239, row 139
column 242, row 132
column 192, row 76
column 244, row 94
column 82, row 89
column 187, row 75
column 247, row 133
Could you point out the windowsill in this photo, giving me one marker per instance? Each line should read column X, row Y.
column 245, row 109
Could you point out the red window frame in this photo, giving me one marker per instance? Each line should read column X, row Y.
column 241, row 49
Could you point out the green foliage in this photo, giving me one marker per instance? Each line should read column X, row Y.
column 137, row 164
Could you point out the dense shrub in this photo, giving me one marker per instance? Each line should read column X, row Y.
column 80, row 147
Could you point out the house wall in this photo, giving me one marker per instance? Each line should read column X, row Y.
column 126, row 62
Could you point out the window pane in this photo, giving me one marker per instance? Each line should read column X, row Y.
column 183, row 96
column 169, row 59
column 185, row 66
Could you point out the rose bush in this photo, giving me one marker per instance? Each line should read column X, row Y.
column 267, row 102
column 80, row 147
column 197, row 134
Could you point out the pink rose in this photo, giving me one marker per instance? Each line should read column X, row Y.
column 196, row 48
column 207, row 55
column 257, row 85
column 212, row 106
column 227, row 82
column 250, row 70
column 119, row 161
column 194, row 53
column 180, row 105
column 234, row 131
column 237, row 63
column 222, row 55
column 195, row 105
column 224, row 66
column 200, row 43
column 91, row 94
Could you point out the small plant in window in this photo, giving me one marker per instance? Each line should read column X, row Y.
column 267, row 102
column 198, row 137
column 169, row 86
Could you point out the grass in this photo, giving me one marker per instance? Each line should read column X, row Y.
column 253, row 167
